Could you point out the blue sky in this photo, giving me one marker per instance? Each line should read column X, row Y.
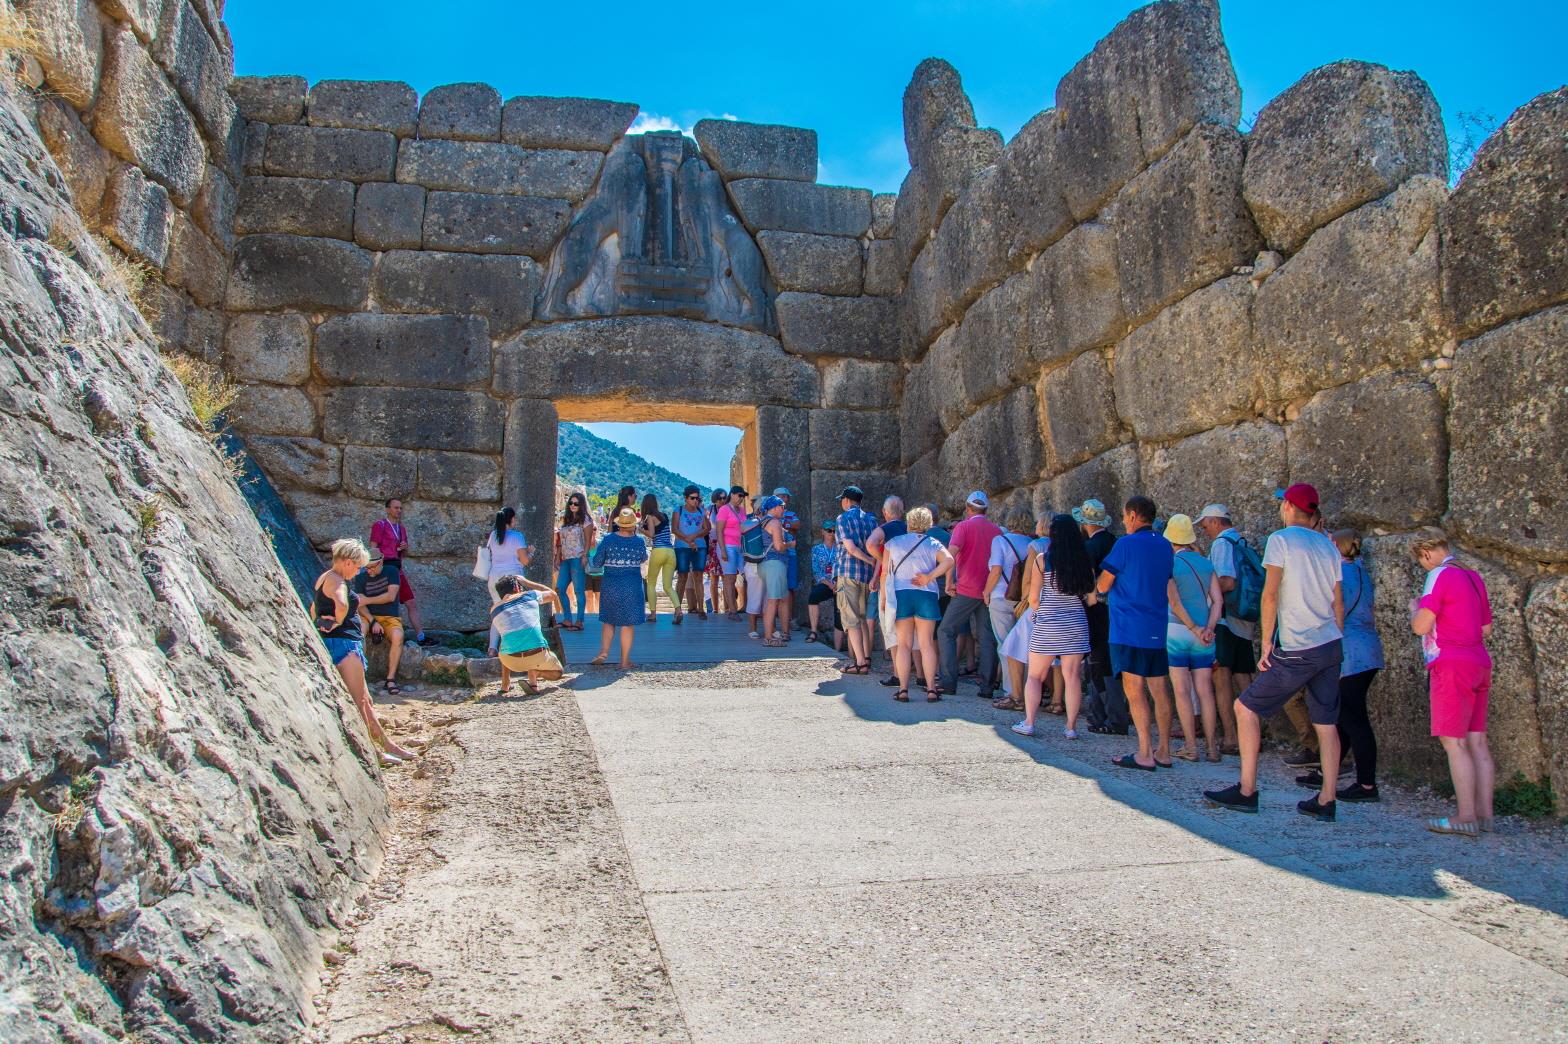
column 841, row 69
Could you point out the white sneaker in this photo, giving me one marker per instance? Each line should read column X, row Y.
column 1023, row 728
column 754, row 634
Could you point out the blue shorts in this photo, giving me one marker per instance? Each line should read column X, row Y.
column 690, row 560
column 775, row 578
column 918, row 605
column 730, row 561
column 1142, row 663
column 341, row 649
column 1183, row 649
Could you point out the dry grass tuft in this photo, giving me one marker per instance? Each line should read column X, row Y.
column 133, row 276
column 208, row 388
column 16, row 36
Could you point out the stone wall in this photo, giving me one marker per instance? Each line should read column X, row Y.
column 189, row 803
column 1133, row 295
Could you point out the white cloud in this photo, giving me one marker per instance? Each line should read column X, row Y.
column 652, row 121
column 729, row 116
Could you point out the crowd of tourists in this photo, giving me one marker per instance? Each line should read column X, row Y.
column 1148, row 634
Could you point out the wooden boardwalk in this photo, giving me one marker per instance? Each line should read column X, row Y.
column 715, row 640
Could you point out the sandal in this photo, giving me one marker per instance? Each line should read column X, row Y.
column 1130, row 761
column 902, row 696
column 678, row 618
column 1060, row 712
column 600, row 660
column 933, row 695
column 856, row 668
column 1008, row 703
column 1185, row 754
column 1448, row 826
column 774, row 643
column 391, row 687
column 1214, row 757
column 811, row 636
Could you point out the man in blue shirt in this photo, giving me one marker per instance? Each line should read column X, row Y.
column 1139, row 567
column 852, row 568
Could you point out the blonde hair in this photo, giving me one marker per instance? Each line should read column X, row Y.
column 1428, row 538
column 919, row 519
column 350, row 550
column 1348, row 541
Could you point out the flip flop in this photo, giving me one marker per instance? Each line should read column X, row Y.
column 1448, row 826
column 1130, row 761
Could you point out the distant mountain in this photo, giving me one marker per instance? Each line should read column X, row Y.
column 603, row 467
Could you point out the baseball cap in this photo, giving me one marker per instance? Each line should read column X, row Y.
column 978, row 499
column 852, row 493
column 1090, row 513
column 1301, row 495
column 781, row 492
column 1213, row 511
column 769, row 503
column 830, row 525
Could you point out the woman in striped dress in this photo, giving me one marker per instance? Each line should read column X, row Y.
column 1059, row 580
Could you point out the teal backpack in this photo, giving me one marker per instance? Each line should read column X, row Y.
column 1245, row 600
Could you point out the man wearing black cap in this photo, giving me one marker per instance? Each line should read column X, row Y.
column 852, row 569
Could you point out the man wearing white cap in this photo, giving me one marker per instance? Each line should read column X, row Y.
column 971, row 550
column 1235, row 662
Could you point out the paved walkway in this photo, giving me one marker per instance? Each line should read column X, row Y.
column 714, row 640
column 819, row 863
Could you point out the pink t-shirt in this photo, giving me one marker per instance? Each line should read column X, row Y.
column 971, row 548
column 729, row 520
column 1458, row 598
column 386, row 536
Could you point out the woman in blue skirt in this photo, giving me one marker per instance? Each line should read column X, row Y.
column 621, row 594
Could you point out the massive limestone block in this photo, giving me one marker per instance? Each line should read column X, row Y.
column 196, row 263
column 967, row 256
column 482, row 223
column 1508, row 428
column 428, row 351
column 528, row 475
column 849, row 439
column 469, row 111
column 293, row 463
column 413, row 418
column 1110, row 478
column 994, row 341
column 329, row 152
column 1182, row 223
column 995, row 448
column 785, row 435
column 1343, row 135
column 262, row 409
column 855, row 384
column 797, row 206
column 758, row 150
column 629, row 357
column 884, row 273
column 1546, row 616
column 1239, row 465
column 1376, row 450
column 815, row 264
column 375, row 105
column 276, row 271
column 459, row 476
column 876, row 485
column 919, row 418
column 858, row 327
column 199, row 70
column 70, row 39
column 1504, row 252
column 388, row 216
column 253, row 149
column 446, row 602
column 1078, row 412
column 86, row 166
column 1034, row 207
column 1193, row 366
column 215, row 205
column 298, row 206
column 270, row 348
column 883, row 208
column 1163, row 70
column 1400, row 708
column 269, row 99
column 1362, row 293
column 933, row 100
column 499, row 288
column 138, row 217
column 951, row 160
column 141, row 119
column 488, row 166
column 434, row 527
column 565, row 123
column 378, row 473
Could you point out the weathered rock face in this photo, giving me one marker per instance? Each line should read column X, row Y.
column 1344, row 135
column 189, row 794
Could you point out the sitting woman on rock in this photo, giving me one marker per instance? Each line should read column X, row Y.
column 337, row 616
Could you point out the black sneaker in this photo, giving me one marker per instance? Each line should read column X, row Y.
column 1303, row 758
column 891, row 681
column 1356, row 792
column 1311, row 807
column 1312, row 780
column 1232, row 798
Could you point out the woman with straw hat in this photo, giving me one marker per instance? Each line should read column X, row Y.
column 621, row 595
column 1196, row 605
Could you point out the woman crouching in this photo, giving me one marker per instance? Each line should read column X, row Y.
column 337, row 612
column 523, row 645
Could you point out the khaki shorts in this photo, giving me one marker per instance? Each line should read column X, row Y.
column 389, row 623
column 541, row 662
column 852, row 595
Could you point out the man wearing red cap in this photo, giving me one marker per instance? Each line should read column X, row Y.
column 1303, row 617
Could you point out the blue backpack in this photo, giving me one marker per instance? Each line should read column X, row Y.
column 752, row 546
column 1245, row 600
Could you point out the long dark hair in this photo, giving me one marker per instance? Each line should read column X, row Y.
column 650, row 508
column 503, row 518
column 627, row 495
column 1068, row 558
column 581, row 514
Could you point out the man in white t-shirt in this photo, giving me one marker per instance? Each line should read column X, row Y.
column 1235, row 662
column 1303, row 621
column 1008, row 551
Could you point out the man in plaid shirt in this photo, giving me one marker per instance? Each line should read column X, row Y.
column 852, row 567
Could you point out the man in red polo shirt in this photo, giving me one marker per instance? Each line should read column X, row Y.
column 971, row 550
column 391, row 537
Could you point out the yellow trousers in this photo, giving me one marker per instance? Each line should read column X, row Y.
column 661, row 566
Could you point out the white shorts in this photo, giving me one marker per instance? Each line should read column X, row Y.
column 755, row 589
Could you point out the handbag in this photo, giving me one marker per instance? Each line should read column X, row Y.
column 482, row 562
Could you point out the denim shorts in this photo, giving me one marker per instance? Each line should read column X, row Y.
column 341, row 649
column 690, row 560
column 775, row 578
column 730, row 561
column 918, row 605
column 1183, row 649
column 1143, row 663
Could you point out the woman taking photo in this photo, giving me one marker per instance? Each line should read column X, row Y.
column 914, row 562
column 621, row 595
column 337, row 612
column 1059, row 581
column 773, row 571
column 508, row 555
column 661, row 557
column 573, row 541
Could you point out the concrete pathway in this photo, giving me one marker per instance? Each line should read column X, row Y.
column 819, row 863
column 714, row 640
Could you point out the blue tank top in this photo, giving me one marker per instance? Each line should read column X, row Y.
column 769, row 554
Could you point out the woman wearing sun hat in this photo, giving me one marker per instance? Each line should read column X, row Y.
column 1196, row 605
column 621, row 595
